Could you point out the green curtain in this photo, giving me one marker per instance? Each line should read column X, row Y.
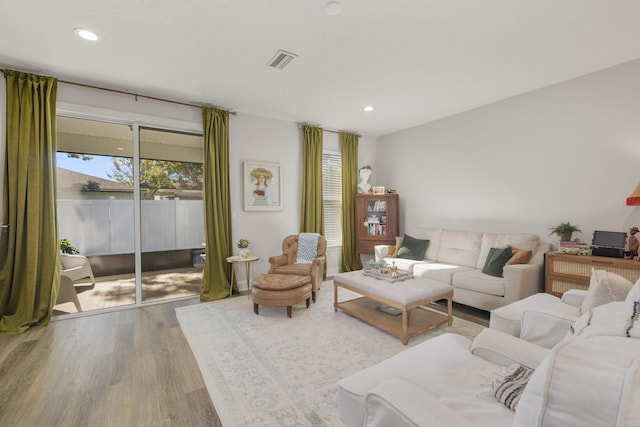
column 30, row 260
column 217, row 205
column 311, row 212
column 349, row 154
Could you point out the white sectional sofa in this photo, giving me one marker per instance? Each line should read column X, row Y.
column 591, row 378
column 458, row 257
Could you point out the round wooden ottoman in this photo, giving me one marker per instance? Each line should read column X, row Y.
column 280, row 290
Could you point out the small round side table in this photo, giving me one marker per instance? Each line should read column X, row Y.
column 247, row 269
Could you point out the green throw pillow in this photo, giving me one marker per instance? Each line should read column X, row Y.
column 412, row 248
column 496, row 260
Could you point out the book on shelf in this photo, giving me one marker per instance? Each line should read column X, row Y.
column 373, row 220
column 380, row 205
column 376, row 229
column 568, row 246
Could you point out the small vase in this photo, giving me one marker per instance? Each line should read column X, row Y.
column 243, row 253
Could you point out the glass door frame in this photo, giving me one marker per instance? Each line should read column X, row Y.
column 136, row 122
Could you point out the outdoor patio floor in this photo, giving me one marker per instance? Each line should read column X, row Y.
column 113, row 291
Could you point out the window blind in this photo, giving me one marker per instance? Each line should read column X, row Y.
column 332, row 197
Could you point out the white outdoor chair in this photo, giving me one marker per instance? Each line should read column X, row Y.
column 76, row 267
column 67, row 293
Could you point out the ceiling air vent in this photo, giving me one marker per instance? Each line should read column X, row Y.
column 281, row 59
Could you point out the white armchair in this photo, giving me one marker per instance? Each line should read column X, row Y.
column 76, row 267
column 544, row 319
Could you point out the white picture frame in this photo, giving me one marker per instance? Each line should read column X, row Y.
column 262, row 186
column 378, row 190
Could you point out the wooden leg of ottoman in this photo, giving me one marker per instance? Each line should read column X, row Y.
column 308, row 302
column 288, row 311
column 255, row 308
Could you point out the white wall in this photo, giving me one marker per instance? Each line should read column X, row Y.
column 254, row 138
column 250, row 138
column 568, row 152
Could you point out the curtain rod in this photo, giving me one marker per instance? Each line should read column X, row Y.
column 300, row 124
column 135, row 95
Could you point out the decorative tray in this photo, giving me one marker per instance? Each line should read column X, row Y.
column 400, row 274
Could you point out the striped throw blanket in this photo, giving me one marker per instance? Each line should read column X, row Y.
column 307, row 247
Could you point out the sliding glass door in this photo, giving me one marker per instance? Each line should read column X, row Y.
column 172, row 228
column 130, row 204
column 95, row 212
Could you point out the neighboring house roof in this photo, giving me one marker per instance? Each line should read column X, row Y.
column 71, row 179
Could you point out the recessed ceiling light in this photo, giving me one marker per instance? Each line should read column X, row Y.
column 85, row 34
column 368, row 108
column 333, row 8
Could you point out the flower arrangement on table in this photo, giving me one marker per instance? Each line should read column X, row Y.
column 243, row 251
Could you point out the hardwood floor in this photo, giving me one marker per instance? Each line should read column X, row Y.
column 465, row 312
column 126, row 368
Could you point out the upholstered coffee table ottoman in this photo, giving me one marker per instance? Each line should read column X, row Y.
column 408, row 298
column 280, row 290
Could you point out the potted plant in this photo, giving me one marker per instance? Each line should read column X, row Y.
column 565, row 230
column 67, row 248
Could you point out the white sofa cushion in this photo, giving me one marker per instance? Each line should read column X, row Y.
column 505, row 350
column 508, row 319
column 442, row 365
column 438, row 271
column 523, row 241
column 403, row 263
column 634, row 293
column 433, row 235
column 399, row 402
column 476, row 280
column 591, row 378
column 611, row 319
column 460, row 248
column 591, row 382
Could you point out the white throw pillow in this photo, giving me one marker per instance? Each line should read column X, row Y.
column 605, row 287
column 634, row 293
column 584, row 382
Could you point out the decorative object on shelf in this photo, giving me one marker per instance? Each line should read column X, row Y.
column 632, row 242
column 565, row 230
column 386, row 275
column 243, row 248
column 574, row 247
column 393, row 268
column 378, row 265
column 262, row 186
column 364, row 173
column 379, row 190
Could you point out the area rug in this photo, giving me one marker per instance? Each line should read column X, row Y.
column 271, row 370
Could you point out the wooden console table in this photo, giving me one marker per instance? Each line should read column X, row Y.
column 564, row 272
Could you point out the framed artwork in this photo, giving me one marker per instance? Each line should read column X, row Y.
column 378, row 190
column 262, row 186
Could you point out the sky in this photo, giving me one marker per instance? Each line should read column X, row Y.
column 98, row 166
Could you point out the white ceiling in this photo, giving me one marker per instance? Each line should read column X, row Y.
column 414, row 61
